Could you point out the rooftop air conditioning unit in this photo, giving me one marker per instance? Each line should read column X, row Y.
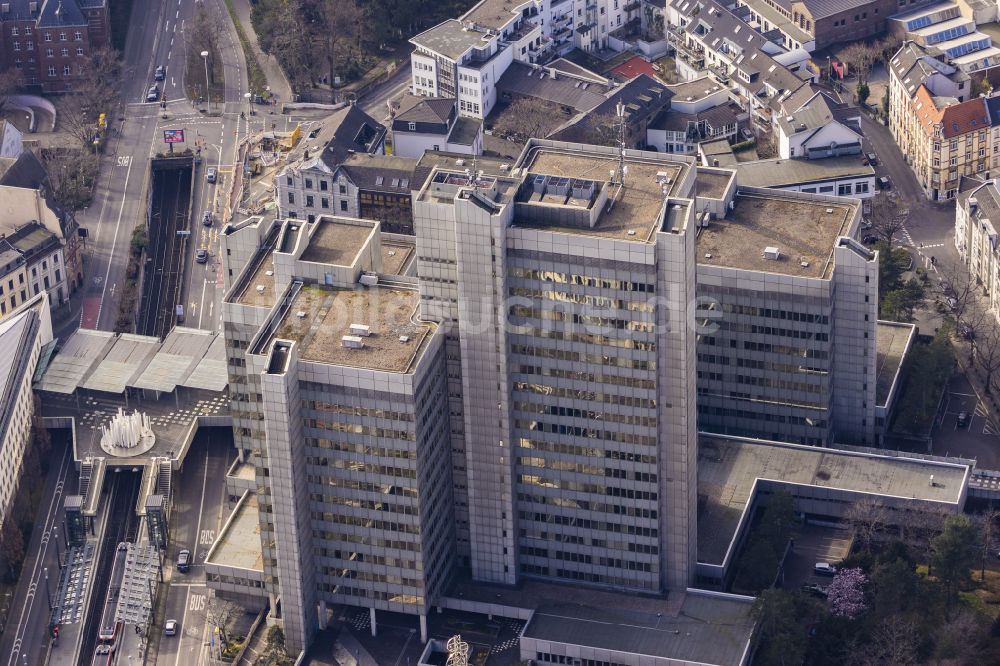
column 771, row 253
column 459, row 162
column 361, row 330
column 260, row 289
column 368, row 279
column 352, row 342
column 301, row 314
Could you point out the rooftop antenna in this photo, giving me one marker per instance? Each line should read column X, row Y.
column 476, row 174
column 621, row 170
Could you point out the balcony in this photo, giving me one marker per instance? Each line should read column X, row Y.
column 632, row 6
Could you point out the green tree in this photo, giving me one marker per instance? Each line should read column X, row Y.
column 778, row 521
column 12, row 546
column 900, row 304
column 276, row 638
column 863, row 93
column 782, row 627
column 953, row 554
column 758, row 566
column 895, row 586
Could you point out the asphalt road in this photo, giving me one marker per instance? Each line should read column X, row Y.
column 198, row 515
column 25, row 639
column 120, row 202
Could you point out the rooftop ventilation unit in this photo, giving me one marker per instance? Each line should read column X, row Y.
column 583, row 189
column 459, row 162
column 771, row 253
column 260, row 289
column 269, row 273
column 538, row 185
column 368, row 279
column 504, row 167
column 361, row 330
column 301, row 314
column 804, row 264
column 404, row 338
column 829, row 210
column 631, row 232
column 352, row 342
column 708, row 255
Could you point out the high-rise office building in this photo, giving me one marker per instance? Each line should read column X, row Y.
column 526, row 405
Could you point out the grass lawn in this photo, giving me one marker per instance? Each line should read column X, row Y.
column 194, row 76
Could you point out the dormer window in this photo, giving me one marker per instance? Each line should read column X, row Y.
column 412, row 127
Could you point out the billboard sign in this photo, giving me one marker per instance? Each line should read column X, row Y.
column 173, row 136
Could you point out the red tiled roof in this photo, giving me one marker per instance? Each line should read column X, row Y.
column 968, row 116
column 927, row 113
column 633, row 67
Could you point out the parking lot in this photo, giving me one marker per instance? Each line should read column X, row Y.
column 979, row 440
column 814, row 544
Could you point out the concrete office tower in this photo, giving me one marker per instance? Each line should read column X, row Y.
column 564, row 292
column 795, row 307
column 353, row 462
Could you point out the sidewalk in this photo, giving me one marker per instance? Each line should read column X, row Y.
column 269, row 65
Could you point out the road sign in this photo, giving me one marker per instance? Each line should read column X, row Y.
column 183, row 232
column 173, row 136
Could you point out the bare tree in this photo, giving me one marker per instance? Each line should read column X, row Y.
column 989, row 529
column 337, row 29
column 599, row 129
column 9, row 81
column 894, row 642
column 861, row 57
column 222, row 614
column 889, row 216
column 97, row 90
column 71, row 172
column 867, row 518
column 529, row 118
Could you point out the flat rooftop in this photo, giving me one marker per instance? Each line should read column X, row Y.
column 696, row 89
column 397, row 257
column 637, row 206
column 802, row 230
column 450, row 39
column 729, row 467
column 785, row 173
column 239, row 544
column 711, row 184
column 708, row 628
column 336, row 243
column 261, row 274
column 891, row 342
column 328, row 314
column 493, row 13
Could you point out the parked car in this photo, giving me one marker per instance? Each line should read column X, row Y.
column 963, row 419
column 201, row 256
column 184, row 561
column 153, row 94
column 870, row 239
column 211, row 174
column 814, row 589
column 160, row 74
column 746, row 133
column 170, row 628
column 872, row 158
column 206, row 219
column 884, row 183
column 825, row 569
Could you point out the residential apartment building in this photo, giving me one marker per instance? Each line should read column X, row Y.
column 23, row 334
column 464, row 58
column 977, row 217
column 305, row 187
column 814, row 129
column 50, row 41
column 428, row 123
column 37, row 232
column 949, row 29
column 944, row 132
column 759, row 66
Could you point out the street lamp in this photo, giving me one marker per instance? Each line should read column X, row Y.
column 55, row 538
column 208, row 97
column 249, row 98
column 48, row 595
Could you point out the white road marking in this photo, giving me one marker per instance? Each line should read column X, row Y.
column 166, row 27
column 201, row 313
column 114, row 241
column 178, row 14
